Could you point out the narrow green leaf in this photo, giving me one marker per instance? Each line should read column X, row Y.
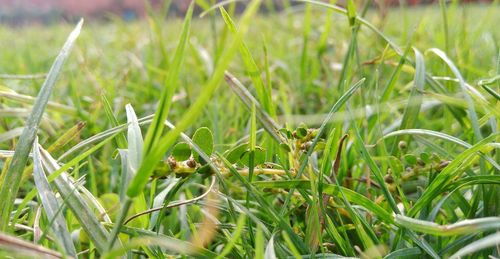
column 156, row 128
column 155, row 155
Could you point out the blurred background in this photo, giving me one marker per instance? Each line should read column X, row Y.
column 16, row 12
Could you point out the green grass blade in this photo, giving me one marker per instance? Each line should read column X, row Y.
column 252, row 69
column 410, row 116
column 12, row 179
column 470, row 103
column 156, row 128
column 194, row 111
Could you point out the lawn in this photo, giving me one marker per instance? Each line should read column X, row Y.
column 316, row 131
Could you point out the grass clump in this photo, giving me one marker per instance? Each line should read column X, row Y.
column 318, row 131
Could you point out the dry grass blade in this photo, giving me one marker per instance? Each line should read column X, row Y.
column 20, row 247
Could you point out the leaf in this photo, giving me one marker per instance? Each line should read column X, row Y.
column 204, row 139
column 170, row 85
column 485, row 242
column 234, row 155
column 259, row 157
column 463, row 227
column 13, row 176
column 134, row 139
column 51, row 204
column 270, row 254
column 181, row 151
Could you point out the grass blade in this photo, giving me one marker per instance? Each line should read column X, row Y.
column 489, row 241
column 12, row 179
column 460, row 228
column 156, row 128
column 194, row 111
column 50, row 204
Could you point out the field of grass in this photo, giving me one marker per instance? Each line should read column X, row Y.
column 318, row 131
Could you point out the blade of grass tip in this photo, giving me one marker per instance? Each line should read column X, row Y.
column 13, row 176
column 75, row 202
column 410, row 115
column 50, row 204
column 442, row 5
column 252, row 69
column 488, row 241
column 155, row 155
column 156, row 128
column 270, row 254
column 134, row 160
column 121, row 141
column 220, row 4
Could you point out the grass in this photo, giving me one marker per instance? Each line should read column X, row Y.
column 313, row 132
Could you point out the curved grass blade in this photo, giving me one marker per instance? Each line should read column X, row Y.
column 410, row 116
column 489, row 241
column 50, row 204
column 13, row 176
column 263, row 92
column 76, row 203
column 460, row 228
column 470, row 104
column 403, row 253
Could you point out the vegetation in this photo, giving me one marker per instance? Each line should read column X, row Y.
column 313, row 132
